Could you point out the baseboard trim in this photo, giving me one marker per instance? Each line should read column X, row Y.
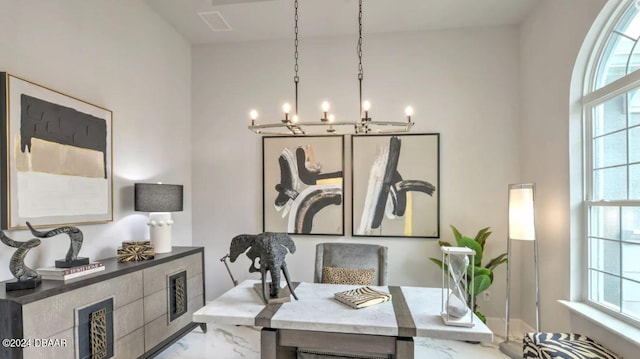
column 517, row 328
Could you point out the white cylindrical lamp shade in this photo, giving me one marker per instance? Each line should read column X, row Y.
column 521, row 212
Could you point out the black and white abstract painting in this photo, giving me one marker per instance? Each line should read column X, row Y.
column 396, row 185
column 303, row 185
column 58, row 157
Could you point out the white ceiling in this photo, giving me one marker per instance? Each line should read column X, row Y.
column 273, row 19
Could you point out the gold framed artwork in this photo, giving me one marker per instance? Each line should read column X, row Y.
column 57, row 157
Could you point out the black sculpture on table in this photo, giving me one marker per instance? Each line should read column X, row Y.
column 270, row 248
column 27, row 278
column 76, row 237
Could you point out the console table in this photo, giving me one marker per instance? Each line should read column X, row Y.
column 129, row 310
column 318, row 322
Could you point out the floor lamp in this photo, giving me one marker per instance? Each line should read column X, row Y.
column 521, row 227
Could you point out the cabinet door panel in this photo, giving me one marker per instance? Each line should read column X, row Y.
column 60, row 308
column 155, row 278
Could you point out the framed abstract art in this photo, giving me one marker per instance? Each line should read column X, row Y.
column 396, row 185
column 57, row 157
column 303, row 184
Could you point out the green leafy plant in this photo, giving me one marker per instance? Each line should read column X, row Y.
column 483, row 274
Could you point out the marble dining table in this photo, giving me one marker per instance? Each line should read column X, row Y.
column 318, row 322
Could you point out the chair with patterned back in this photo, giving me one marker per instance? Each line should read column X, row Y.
column 563, row 346
column 351, row 263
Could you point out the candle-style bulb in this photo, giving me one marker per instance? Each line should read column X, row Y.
column 294, row 118
column 286, row 107
column 331, row 118
column 366, row 105
column 408, row 111
column 253, row 114
column 325, row 106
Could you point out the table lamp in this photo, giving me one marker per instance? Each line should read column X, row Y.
column 521, row 227
column 159, row 200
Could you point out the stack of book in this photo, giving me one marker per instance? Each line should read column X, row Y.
column 362, row 297
column 53, row 273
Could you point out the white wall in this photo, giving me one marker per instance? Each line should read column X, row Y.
column 471, row 86
column 550, row 40
column 121, row 55
column 462, row 83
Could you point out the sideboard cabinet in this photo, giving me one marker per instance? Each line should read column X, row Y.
column 129, row 310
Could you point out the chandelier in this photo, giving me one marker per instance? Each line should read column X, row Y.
column 291, row 123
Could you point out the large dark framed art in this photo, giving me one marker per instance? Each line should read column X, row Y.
column 396, row 185
column 303, row 184
column 56, row 157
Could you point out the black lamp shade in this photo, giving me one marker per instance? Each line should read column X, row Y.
column 155, row 197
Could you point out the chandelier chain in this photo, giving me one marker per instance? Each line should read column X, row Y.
column 296, row 78
column 360, row 69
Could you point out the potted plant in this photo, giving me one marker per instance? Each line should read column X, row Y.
column 483, row 274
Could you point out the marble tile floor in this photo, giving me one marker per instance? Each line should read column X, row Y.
column 231, row 342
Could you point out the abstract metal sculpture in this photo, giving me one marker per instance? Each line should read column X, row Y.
column 224, row 260
column 27, row 278
column 135, row 251
column 76, row 237
column 270, row 248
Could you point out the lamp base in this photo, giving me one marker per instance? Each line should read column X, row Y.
column 160, row 231
column 511, row 349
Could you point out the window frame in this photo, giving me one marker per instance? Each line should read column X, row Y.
column 591, row 98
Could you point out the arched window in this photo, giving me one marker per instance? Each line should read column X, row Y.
column 612, row 169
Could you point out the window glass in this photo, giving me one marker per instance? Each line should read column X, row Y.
column 616, row 55
column 610, row 150
column 621, row 55
column 610, row 183
column 610, row 116
column 631, row 298
column 605, row 288
column 631, row 225
column 629, row 24
column 605, row 255
column 630, row 262
column 634, row 182
column 634, row 145
column 605, row 222
column 634, row 60
column 634, row 107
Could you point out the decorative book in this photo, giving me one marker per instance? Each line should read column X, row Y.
column 362, row 297
column 54, row 273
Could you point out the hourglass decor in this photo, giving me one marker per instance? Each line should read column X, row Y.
column 457, row 288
